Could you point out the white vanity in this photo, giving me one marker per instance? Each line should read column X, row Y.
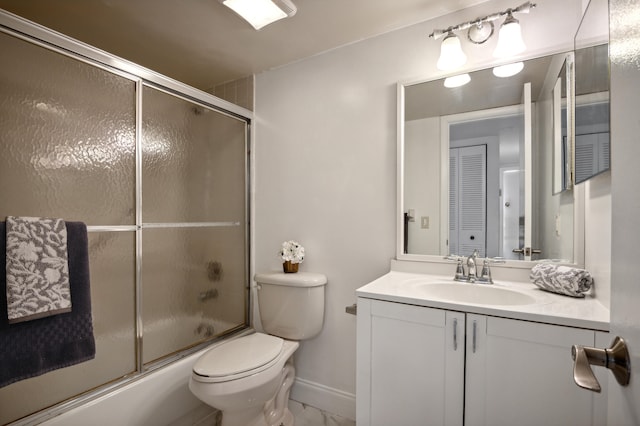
column 431, row 351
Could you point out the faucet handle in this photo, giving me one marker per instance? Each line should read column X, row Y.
column 485, row 275
column 459, row 271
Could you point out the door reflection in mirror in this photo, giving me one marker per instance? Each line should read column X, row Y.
column 483, row 214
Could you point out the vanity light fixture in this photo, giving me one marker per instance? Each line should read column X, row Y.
column 451, row 54
column 479, row 31
column 508, row 70
column 456, row 81
column 260, row 13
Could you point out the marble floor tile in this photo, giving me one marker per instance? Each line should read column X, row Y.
column 305, row 415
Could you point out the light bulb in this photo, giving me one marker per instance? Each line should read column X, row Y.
column 451, row 54
column 509, row 39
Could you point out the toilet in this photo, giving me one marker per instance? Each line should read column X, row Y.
column 248, row 378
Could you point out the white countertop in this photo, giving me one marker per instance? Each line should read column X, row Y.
column 550, row 308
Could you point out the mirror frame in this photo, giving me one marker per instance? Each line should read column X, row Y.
column 564, row 149
column 578, row 192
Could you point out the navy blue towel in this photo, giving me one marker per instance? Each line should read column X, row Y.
column 32, row 348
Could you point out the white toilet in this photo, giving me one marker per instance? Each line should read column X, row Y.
column 249, row 378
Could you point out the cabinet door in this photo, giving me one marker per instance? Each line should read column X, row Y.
column 410, row 365
column 521, row 373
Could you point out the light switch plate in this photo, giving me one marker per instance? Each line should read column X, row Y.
column 424, row 222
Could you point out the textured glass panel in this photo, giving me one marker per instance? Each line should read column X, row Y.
column 193, row 282
column 112, row 264
column 67, row 136
column 193, row 162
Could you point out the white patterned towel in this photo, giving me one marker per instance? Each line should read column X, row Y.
column 37, row 268
column 561, row 279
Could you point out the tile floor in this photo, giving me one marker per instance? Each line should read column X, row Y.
column 306, row 415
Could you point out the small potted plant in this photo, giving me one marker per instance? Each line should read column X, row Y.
column 292, row 255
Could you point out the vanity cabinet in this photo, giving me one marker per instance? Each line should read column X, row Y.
column 410, row 366
column 425, row 366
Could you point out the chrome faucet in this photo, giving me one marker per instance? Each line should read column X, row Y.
column 472, row 274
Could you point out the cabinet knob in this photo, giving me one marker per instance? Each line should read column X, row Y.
column 616, row 359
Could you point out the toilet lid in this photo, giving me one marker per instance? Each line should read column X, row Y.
column 239, row 355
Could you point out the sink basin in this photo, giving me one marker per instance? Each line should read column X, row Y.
column 480, row 294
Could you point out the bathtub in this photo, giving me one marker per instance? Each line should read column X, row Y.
column 160, row 398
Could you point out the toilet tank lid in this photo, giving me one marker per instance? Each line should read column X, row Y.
column 298, row 279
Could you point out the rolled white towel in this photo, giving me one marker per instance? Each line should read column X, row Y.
column 561, row 279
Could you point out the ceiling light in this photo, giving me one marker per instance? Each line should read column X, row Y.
column 260, row 13
column 451, row 54
column 509, row 38
column 457, row 80
column 508, row 70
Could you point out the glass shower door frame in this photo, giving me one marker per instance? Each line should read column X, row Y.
column 38, row 35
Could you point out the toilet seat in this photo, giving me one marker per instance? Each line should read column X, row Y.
column 239, row 358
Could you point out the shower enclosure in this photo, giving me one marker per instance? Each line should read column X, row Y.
column 159, row 173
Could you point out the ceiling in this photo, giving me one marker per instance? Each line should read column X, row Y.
column 203, row 44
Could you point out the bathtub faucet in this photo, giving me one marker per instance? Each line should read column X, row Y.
column 212, row 293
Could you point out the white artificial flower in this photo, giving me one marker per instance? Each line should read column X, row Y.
column 292, row 251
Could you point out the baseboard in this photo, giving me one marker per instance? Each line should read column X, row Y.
column 327, row 399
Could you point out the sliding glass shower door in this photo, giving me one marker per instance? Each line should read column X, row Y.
column 193, row 216
column 159, row 177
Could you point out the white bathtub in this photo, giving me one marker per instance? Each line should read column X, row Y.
column 161, row 398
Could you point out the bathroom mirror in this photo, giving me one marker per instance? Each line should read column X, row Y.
column 475, row 167
column 592, row 93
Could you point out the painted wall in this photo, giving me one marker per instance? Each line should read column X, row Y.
column 325, row 171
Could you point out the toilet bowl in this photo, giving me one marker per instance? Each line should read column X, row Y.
column 249, row 378
column 243, row 377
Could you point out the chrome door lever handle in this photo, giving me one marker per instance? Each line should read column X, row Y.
column 616, row 359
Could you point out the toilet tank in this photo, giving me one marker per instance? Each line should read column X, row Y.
column 291, row 305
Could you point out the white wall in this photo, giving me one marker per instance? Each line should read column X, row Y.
column 325, row 171
column 597, row 257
